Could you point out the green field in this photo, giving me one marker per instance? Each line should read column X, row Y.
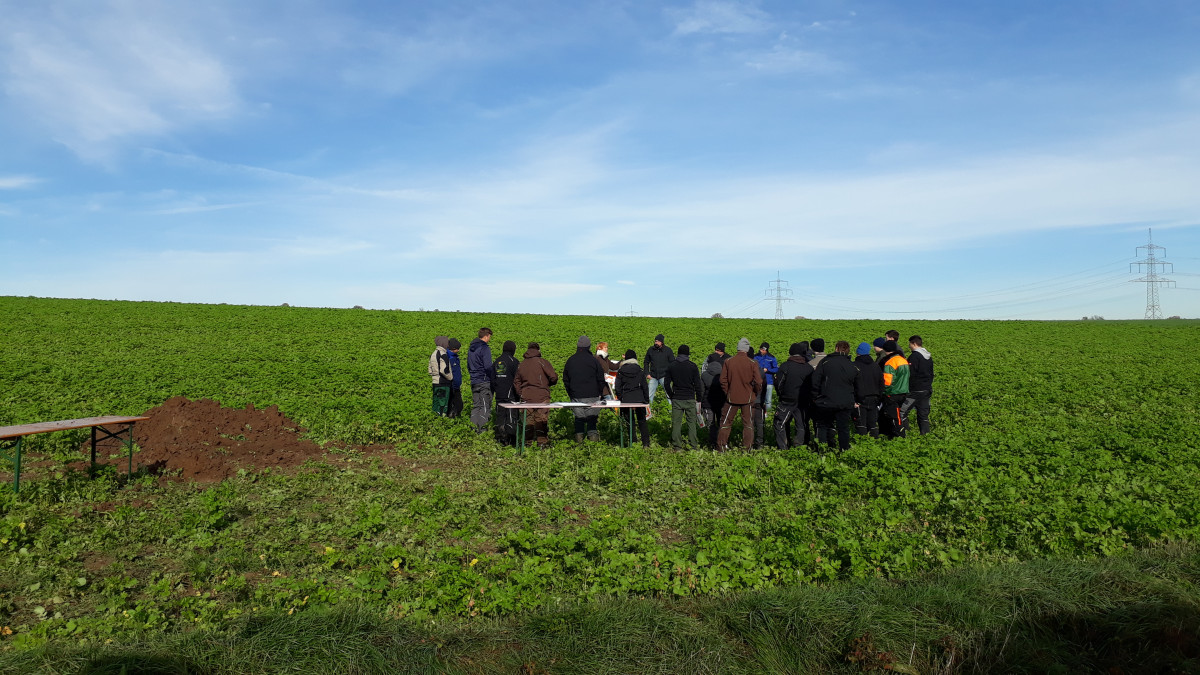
column 1051, row 440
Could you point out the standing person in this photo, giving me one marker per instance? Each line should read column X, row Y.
column 456, row 402
column 584, row 381
column 766, row 360
column 439, row 372
column 504, row 371
column 714, row 395
column 835, row 386
column 685, row 391
column 534, row 378
column 794, row 384
column 610, row 370
column 479, row 367
column 895, row 390
column 877, row 345
column 920, row 383
column 894, row 335
column 658, row 359
column 870, row 387
column 818, row 349
column 631, row 388
column 741, row 381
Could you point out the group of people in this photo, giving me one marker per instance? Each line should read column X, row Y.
column 874, row 392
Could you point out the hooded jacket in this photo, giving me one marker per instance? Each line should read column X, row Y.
column 439, row 362
column 835, row 382
column 504, row 371
column 920, row 370
column 582, row 376
column 870, row 377
column 455, row 370
column 534, row 378
column 683, row 380
column 741, row 379
column 793, row 384
column 479, row 362
column 631, row 383
column 657, row 360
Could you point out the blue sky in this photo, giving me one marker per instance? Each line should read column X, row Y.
column 916, row 159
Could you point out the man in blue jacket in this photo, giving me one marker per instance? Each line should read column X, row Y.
column 769, row 366
column 479, row 367
column 456, row 402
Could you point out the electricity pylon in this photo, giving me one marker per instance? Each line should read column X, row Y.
column 1152, row 265
column 777, row 289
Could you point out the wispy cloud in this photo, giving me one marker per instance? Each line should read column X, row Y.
column 17, row 182
column 719, row 16
column 96, row 74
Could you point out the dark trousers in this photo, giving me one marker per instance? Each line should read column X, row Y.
column 866, row 420
column 920, row 401
column 827, row 418
column 481, row 404
column 892, row 422
column 507, row 422
column 456, row 404
column 789, row 418
column 727, row 415
column 441, row 399
column 642, row 425
column 683, row 410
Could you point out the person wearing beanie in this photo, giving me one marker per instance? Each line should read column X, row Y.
column 504, row 370
column 658, row 358
column 584, row 381
column 685, row 391
column 439, row 372
column 766, row 360
column 895, row 390
column 818, row 352
column 834, row 388
column 631, row 388
column 741, row 380
column 479, row 367
column 456, row 403
column 870, row 388
column 534, row 378
column 877, row 344
column 794, row 384
column 920, row 383
column 712, row 398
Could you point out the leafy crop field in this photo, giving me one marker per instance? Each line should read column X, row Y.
column 1050, row 440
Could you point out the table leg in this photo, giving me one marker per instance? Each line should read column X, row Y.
column 521, row 434
column 129, row 447
column 92, row 471
column 17, row 465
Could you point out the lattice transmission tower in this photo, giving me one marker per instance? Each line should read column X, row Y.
column 778, row 289
column 1152, row 266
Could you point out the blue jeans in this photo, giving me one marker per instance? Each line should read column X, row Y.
column 654, row 384
column 770, row 391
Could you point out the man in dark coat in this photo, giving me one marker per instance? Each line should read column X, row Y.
column 793, row 385
column 920, row 383
column 834, row 389
column 504, row 371
column 870, row 387
column 713, row 400
column 684, row 389
column 632, row 388
column 479, row 367
column 534, row 378
column 658, row 359
column 741, row 379
column 583, row 379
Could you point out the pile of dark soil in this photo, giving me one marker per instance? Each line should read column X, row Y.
column 202, row 441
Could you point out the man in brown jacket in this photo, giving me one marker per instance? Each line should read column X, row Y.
column 741, row 378
column 534, row 378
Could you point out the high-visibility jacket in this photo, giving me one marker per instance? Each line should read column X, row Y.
column 895, row 375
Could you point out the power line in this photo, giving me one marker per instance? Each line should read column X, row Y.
column 1152, row 265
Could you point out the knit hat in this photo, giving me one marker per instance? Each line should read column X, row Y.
column 879, row 342
column 818, row 344
column 454, row 344
column 660, row 338
column 510, row 347
column 630, row 354
column 744, row 345
column 684, row 350
column 584, row 342
column 720, row 347
column 890, row 346
column 765, row 346
column 863, row 348
column 796, row 349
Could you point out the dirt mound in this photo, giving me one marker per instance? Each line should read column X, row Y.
column 202, row 441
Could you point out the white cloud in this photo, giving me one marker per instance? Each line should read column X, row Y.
column 17, row 182
column 625, row 282
column 96, row 76
column 717, row 16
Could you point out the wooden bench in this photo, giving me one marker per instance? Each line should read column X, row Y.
column 20, row 431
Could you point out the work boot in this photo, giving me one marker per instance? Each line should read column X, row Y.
column 579, row 439
column 593, row 435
